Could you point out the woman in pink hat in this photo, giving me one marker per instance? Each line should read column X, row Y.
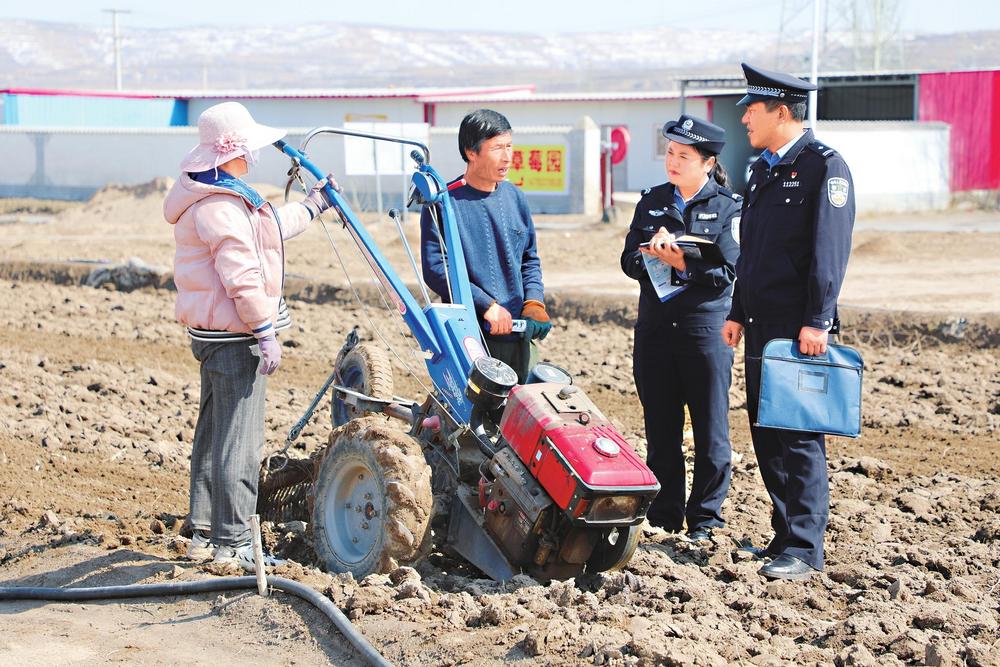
column 229, row 272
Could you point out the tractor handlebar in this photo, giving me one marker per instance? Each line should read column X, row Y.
column 517, row 326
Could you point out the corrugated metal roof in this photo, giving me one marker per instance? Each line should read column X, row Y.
column 518, row 129
column 280, row 93
column 353, row 93
column 129, row 95
column 116, row 131
column 839, row 74
column 628, row 96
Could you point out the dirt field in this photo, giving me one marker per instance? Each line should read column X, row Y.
column 99, row 396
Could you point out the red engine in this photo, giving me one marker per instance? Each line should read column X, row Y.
column 582, row 462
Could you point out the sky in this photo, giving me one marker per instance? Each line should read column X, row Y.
column 539, row 16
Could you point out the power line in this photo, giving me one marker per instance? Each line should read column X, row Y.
column 875, row 32
column 791, row 27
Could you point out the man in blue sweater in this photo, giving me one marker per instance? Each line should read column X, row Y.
column 498, row 238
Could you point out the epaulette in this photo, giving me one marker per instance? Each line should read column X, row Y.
column 729, row 193
column 656, row 189
column 821, row 148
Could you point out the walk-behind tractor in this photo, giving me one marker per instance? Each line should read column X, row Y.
column 514, row 478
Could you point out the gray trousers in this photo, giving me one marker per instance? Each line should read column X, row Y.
column 228, row 440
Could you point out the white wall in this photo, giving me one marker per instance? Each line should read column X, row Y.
column 897, row 166
column 644, row 119
column 72, row 163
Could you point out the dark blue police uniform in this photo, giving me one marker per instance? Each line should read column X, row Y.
column 679, row 358
column 796, row 225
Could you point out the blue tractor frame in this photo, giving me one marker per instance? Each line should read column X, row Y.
column 448, row 333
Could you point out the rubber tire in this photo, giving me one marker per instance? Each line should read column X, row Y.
column 404, row 478
column 607, row 556
column 365, row 368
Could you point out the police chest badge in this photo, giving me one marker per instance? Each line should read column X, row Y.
column 735, row 229
column 836, row 191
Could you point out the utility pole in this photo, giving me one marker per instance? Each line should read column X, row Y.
column 814, row 94
column 781, row 37
column 856, row 34
column 117, row 43
column 877, row 37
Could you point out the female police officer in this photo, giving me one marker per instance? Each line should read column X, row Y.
column 679, row 358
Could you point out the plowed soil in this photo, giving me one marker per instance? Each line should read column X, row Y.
column 98, row 400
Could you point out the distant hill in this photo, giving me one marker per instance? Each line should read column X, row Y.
column 58, row 55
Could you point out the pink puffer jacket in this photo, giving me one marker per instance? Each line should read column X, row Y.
column 229, row 261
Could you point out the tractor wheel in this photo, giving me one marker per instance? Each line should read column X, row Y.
column 365, row 369
column 372, row 500
column 615, row 549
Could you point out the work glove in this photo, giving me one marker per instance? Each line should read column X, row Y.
column 270, row 354
column 537, row 325
column 316, row 201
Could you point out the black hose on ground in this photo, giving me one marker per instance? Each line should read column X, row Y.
column 204, row 586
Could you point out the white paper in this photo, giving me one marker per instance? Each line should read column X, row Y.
column 660, row 274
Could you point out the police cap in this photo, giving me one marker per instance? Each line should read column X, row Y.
column 696, row 132
column 763, row 85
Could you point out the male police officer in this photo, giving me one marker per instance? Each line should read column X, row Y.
column 796, row 225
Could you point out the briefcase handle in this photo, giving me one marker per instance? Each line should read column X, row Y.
column 797, row 353
column 843, row 356
column 833, row 338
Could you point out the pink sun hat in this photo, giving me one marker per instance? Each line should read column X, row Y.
column 227, row 131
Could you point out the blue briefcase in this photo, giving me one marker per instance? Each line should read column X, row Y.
column 820, row 394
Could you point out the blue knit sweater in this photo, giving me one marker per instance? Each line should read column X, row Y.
column 498, row 238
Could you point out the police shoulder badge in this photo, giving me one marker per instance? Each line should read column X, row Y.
column 836, row 191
